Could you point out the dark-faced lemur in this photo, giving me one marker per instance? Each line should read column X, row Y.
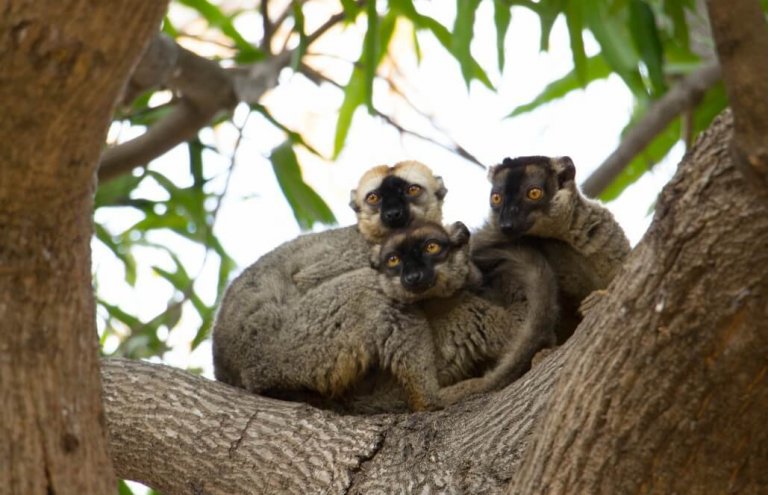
column 535, row 201
column 337, row 332
column 386, row 198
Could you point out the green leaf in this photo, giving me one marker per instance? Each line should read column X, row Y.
column 651, row 155
column 195, row 148
column 574, row 19
column 121, row 252
column 713, row 103
column 548, row 11
column 298, row 54
column 351, row 9
column 596, row 68
column 294, row 136
column 642, row 26
column 354, row 92
column 369, row 55
column 354, row 96
column 502, row 16
column 615, row 45
column 217, row 19
column 123, row 488
column 441, row 33
column 676, row 12
column 463, row 30
column 169, row 29
column 116, row 192
column 308, row 207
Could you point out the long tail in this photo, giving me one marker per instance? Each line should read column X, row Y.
column 521, row 265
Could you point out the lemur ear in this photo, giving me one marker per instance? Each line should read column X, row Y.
column 566, row 170
column 492, row 172
column 458, row 233
column 353, row 201
column 441, row 190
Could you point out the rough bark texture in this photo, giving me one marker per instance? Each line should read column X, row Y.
column 741, row 34
column 668, row 390
column 62, row 68
column 663, row 388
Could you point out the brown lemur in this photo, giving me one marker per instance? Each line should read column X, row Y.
column 470, row 334
column 386, row 198
column 364, row 320
column 535, row 201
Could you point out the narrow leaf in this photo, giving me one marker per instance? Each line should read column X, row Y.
column 216, row 18
column 615, row 45
column 308, row 207
column 596, row 68
column 298, row 17
column 651, row 155
column 369, row 56
column 463, row 29
column 642, row 26
column 502, row 16
column 574, row 19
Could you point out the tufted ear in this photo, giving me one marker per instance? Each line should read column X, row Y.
column 458, row 233
column 565, row 169
column 492, row 172
column 353, row 201
column 441, row 191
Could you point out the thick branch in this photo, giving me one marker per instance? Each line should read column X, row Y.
column 181, row 433
column 670, row 389
column 686, row 94
column 205, row 90
column 741, row 35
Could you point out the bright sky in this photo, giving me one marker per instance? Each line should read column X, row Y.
column 255, row 217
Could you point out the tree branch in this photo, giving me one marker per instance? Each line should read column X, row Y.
column 205, row 89
column 686, row 94
column 741, row 35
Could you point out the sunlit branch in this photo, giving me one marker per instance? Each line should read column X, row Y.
column 205, row 90
column 686, row 94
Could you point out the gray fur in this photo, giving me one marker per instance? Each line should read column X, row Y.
column 579, row 238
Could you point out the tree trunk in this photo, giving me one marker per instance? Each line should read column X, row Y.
column 662, row 389
column 62, row 70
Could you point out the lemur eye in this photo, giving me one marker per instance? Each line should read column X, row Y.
column 372, row 198
column 535, row 193
column 393, row 260
column 433, row 248
column 413, row 190
column 495, row 199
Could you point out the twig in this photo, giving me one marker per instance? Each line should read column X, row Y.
column 686, row 94
column 455, row 148
column 205, row 88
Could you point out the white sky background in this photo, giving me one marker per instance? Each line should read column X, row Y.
column 255, row 217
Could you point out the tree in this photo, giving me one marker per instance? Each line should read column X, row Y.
column 661, row 389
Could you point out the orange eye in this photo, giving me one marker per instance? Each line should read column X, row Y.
column 413, row 190
column 432, row 248
column 393, row 260
column 535, row 193
column 372, row 198
column 495, row 199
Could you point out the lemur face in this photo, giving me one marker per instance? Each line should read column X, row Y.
column 423, row 261
column 389, row 198
column 523, row 189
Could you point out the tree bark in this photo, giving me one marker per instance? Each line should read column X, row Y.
column 62, row 70
column 662, row 389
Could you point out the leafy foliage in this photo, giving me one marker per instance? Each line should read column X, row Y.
column 648, row 44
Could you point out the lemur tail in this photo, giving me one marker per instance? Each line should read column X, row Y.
column 527, row 267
